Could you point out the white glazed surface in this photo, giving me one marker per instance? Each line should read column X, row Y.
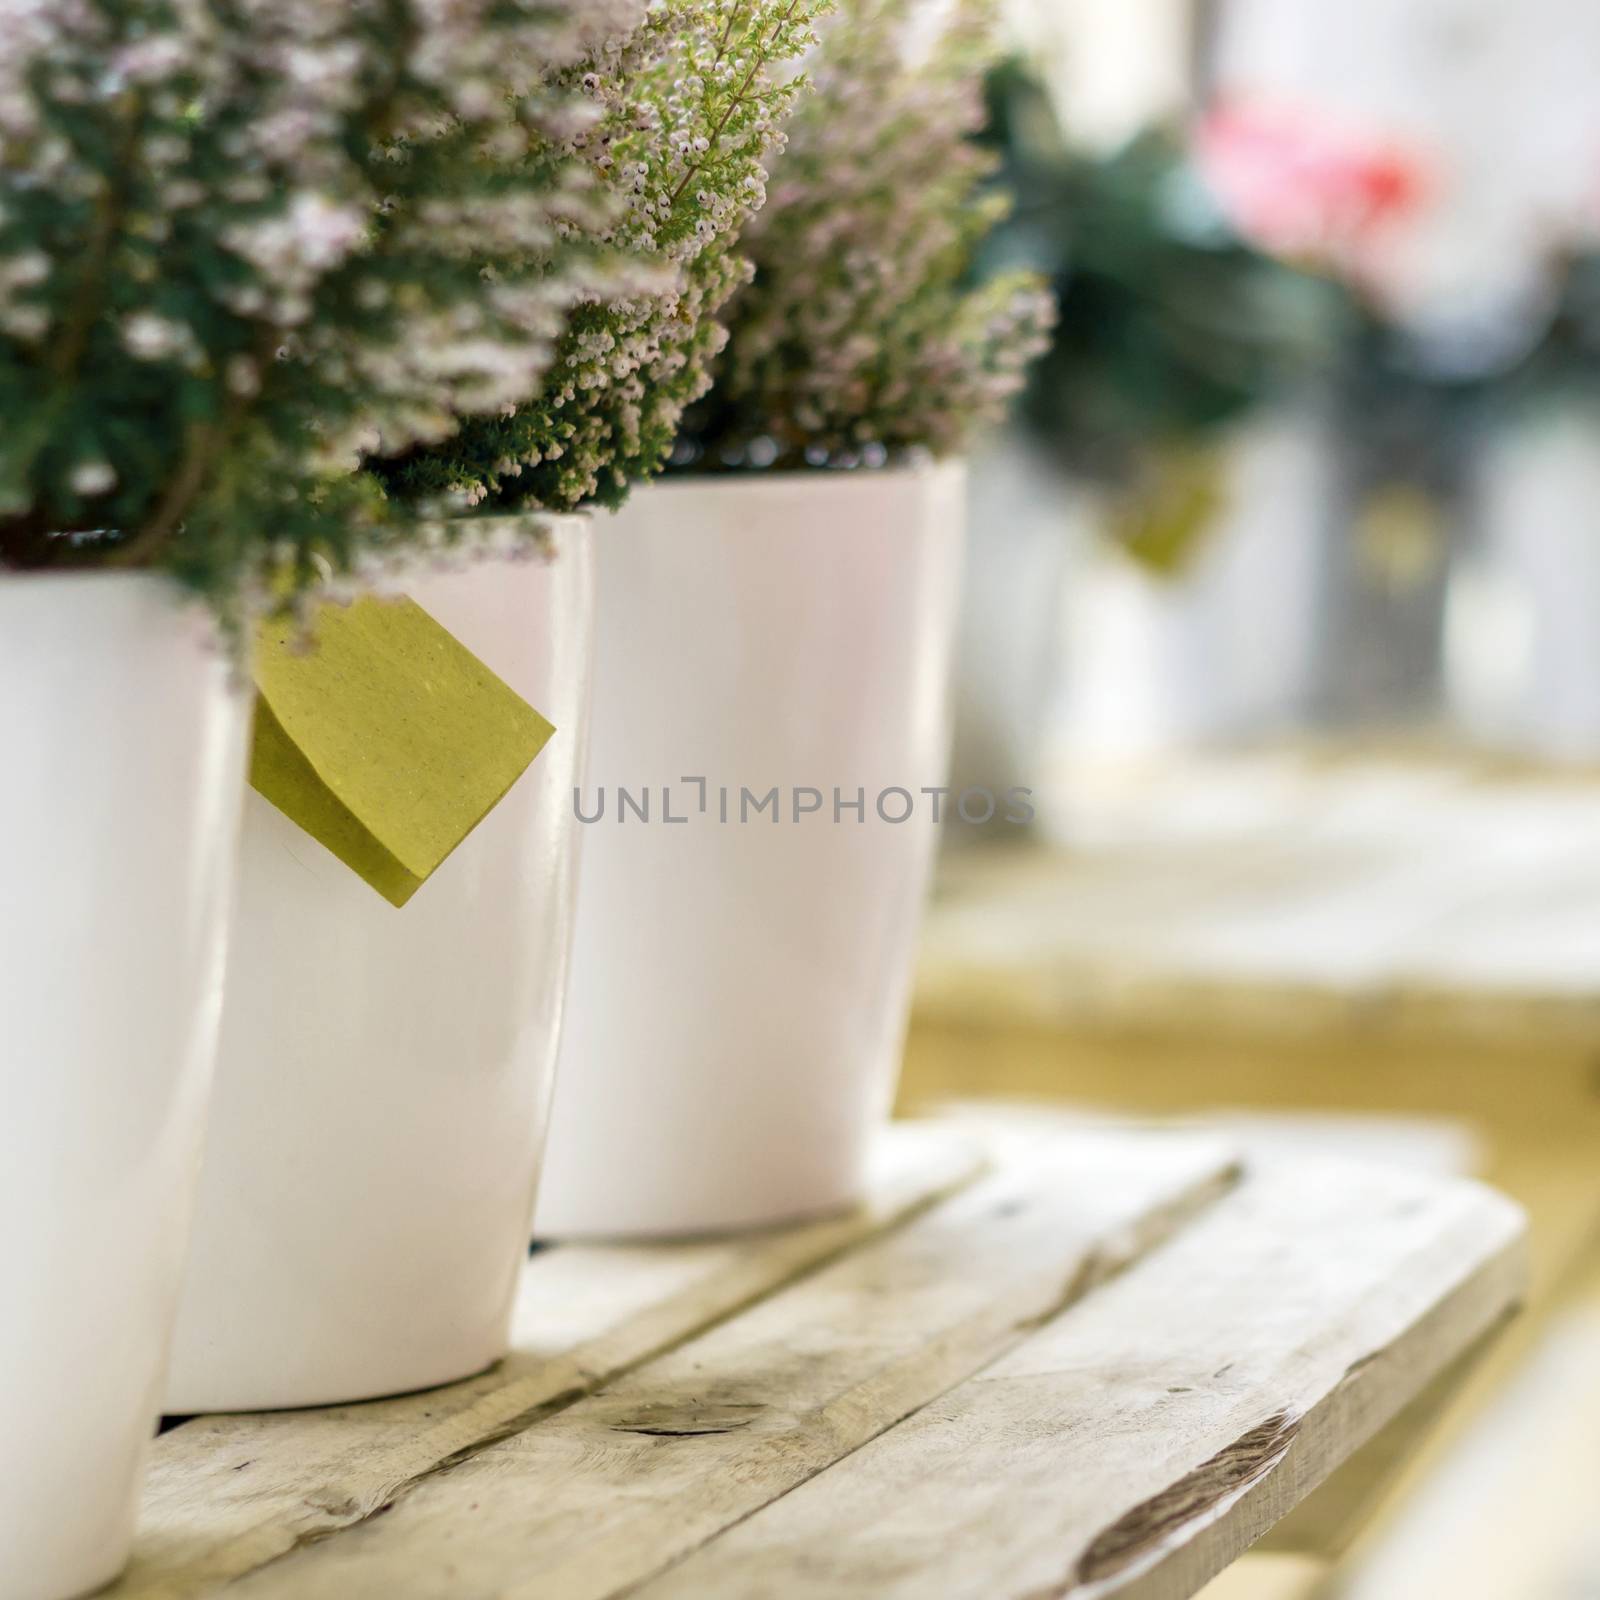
column 123, row 740
column 384, row 1074
column 739, row 992
column 1522, row 651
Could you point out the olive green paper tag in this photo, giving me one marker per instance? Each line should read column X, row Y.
column 388, row 741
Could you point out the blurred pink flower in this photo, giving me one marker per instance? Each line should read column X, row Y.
column 1306, row 187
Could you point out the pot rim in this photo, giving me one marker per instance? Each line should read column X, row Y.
column 790, row 479
column 46, row 577
column 493, row 519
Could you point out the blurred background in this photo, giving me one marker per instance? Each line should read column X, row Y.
column 1284, row 601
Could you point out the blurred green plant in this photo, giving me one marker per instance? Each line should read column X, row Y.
column 1564, row 361
column 1171, row 326
column 1174, row 327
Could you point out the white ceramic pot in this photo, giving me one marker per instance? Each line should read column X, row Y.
column 1024, row 534
column 1523, row 622
column 740, row 988
column 1162, row 661
column 123, row 740
column 384, row 1074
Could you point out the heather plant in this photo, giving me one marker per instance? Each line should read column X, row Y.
column 243, row 240
column 687, row 110
column 864, row 334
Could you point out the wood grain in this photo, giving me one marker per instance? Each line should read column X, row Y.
column 612, row 1489
column 1045, row 1361
column 1464, row 988
column 227, row 1494
column 1136, row 1445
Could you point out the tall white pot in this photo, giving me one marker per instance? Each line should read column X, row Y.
column 1523, row 624
column 384, row 1074
column 740, row 988
column 1025, row 533
column 1157, row 661
column 123, row 738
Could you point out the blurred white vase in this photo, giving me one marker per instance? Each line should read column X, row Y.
column 384, row 1074
column 1225, row 647
column 1026, row 530
column 1523, row 629
column 124, row 735
column 740, row 988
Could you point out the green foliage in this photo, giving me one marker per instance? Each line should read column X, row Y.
column 242, row 240
column 688, row 110
column 1559, row 359
column 864, row 334
column 1171, row 326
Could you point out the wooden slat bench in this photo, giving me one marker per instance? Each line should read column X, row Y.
column 1318, row 932
column 1038, row 1362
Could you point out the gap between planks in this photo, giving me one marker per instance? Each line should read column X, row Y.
column 228, row 1494
column 1134, row 1447
column 618, row 1486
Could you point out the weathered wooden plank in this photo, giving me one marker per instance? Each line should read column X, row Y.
column 1343, row 1510
column 1135, row 1445
column 1555, row 1179
column 618, row 1486
column 227, row 1494
column 1276, row 893
column 1321, row 1529
column 1538, row 1120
